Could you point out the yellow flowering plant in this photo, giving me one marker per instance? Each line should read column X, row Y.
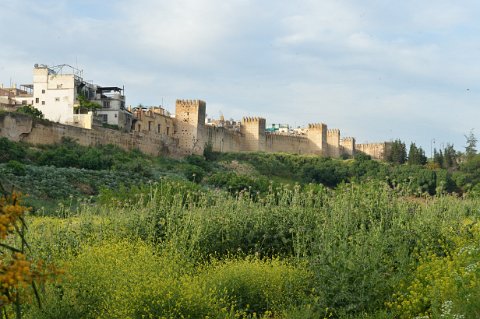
column 17, row 271
column 445, row 285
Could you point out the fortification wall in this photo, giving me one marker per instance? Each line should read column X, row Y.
column 333, row 142
column 154, row 136
column 19, row 127
column 222, row 139
column 153, row 123
column 375, row 150
column 348, row 146
column 287, row 144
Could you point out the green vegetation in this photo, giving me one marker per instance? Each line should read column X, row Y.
column 30, row 110
column 248, row 235
column 84, row 104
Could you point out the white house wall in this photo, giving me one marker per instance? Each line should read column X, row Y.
column 54, row 95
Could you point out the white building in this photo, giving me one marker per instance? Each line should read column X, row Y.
column 113, row 111
column 56, row 91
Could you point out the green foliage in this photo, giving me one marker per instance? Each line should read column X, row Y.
column 47, row 182
column 469, row 174
column 445, row 285
column 446, row 158
column 471, row 147
column 236, row 183
column 175, row 249
column 208, row 152
column 416, row 155
column 30, row 110
column 85, row 105
column 396, row 153
column 111, row 126
column 194, row 173
column 16, row 168
column 151, row 285
column 11, row 151
column 70, row 154
column 327, row 172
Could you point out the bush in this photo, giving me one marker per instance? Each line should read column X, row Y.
column 129, row 280
column 445, row 285
column 255, row 286
column 16, row 168
column 236, row 183
column 30, row 110
column 11, row 151
column 194, row 173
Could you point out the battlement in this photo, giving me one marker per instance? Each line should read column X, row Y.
column 348, row 139
column 189, row 103
column 260, row 120
column 333, row 132
column 317, row 126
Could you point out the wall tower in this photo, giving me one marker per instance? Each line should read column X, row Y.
column 317, row 134
column 190, row 125
column 253, row 128
column 333, row 142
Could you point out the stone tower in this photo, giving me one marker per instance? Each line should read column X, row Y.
column 333, row 142
column 253, row 129
column 317, row 134
column 190, row 125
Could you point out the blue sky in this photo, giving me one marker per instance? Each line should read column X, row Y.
column 377, row 70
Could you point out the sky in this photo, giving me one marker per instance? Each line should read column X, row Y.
column 377, row 70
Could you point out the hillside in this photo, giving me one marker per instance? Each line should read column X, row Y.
column 244, row 235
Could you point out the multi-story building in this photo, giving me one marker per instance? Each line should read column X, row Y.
column 11, row 98
column 112, row 109
column 57, row 91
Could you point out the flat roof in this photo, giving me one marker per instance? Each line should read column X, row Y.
column 109, row 88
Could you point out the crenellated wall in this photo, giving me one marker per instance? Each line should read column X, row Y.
column 333, row 142
column 348, row 146
column 223, row 140
column 317, row 134
column 19, row 127
column 287, row 143
column 158, row 134
column 253, row 130
column 190, row 125
column 375, row 150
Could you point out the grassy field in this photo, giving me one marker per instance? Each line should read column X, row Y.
column 175, row 250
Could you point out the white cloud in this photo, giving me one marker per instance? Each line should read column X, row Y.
column 184, row 31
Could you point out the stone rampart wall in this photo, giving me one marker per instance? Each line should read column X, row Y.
column 287, row 144
column 223, row 140
column 375, row 150
column 19, row 127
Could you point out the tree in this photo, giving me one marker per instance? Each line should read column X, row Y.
column 471, row 148
column 416, row 155
column 397, row 153
column 449, row 157
column 30, row 110
column 85, row 105
column 438, row 157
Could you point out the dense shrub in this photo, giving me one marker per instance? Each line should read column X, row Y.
column 445, row 285
column 11, row 150
column 146, row 284
column 236, row 183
